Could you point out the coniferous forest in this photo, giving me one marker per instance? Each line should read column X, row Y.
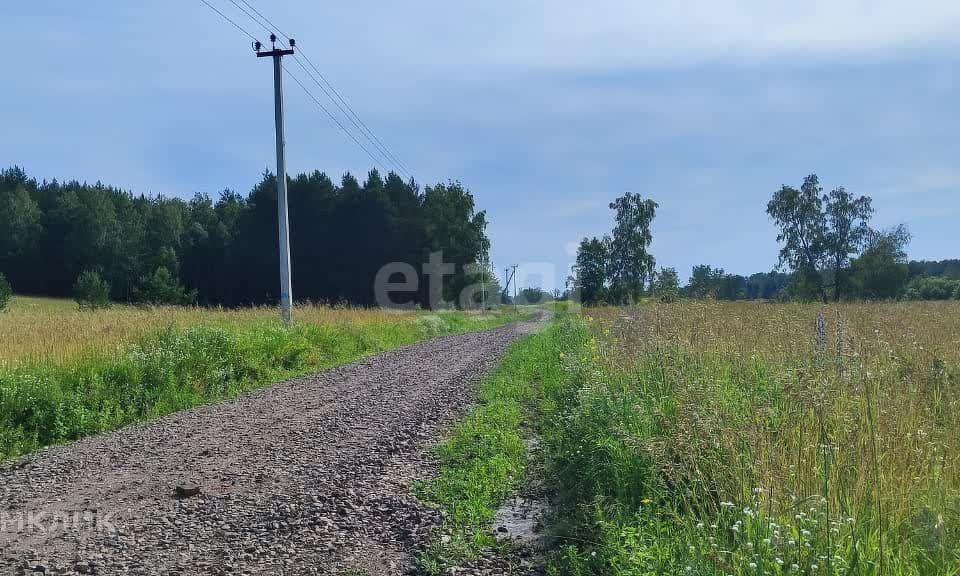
column 224, row 251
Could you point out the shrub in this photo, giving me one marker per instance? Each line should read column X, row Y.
column 666, row 285
column 162, row 287
column 91, row 291
column 6, row 292
column 933, row 288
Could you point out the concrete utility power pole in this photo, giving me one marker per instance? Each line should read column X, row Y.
column 286, row 290
column 514, row 287
column 483, row 284
column 511, row 278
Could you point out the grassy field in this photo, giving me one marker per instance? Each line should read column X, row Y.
column 65, row 373
column 708, row 438
column 55, row 330
column 485, row 460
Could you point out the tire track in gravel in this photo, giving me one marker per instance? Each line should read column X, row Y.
column 310, row 476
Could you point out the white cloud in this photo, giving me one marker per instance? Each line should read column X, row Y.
column 930, row 180
column 616, row 33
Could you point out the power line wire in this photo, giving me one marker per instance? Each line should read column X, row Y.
column 334, row 119
column 227, row 18
column 265, row 19
column 339, row 101
column 355, row 118
column 297, row 80
column 385, row 155
column 259, row 23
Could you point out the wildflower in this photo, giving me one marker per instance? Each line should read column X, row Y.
column 779, row 561
column 753, row 565
column 813, row 566
column 794, row 566
column 699, row 525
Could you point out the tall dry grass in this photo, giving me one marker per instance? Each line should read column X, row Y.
column 54, row 330
column 65, row 374
column 748, row 447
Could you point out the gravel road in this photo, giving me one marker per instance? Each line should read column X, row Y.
column 311, row 476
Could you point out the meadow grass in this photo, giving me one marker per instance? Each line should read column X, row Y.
column 484, row 460
column 726, row 438
column 65, row 373
column 55, row 330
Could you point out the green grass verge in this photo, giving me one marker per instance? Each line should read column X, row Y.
column 45, row 403
column 657, row 459
column 484, row 460
column 666, row 458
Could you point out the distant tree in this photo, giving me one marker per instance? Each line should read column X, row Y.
column 946, row 268
column 799, row 216
column 704, row 281
column 6, row 292
column 766, row 286
column 91, row 291
column 226, row 251
column 731, row 287
column 477, row 276
column 846, row 232
column 534, row 295
column 666, row 285
column 881, row 271
column 454, row 227
column 19, row 221
column 590, row 271
column 933, row 288
column 630, row 264
column 162, row 287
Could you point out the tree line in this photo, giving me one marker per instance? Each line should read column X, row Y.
column 828, row 251
column 57, row 237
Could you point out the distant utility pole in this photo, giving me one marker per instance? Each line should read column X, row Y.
column 286, row 290
column 511, row 278
column 483, row 283
column 514, row 287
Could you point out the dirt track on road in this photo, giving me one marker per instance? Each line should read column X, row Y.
column 310, row 476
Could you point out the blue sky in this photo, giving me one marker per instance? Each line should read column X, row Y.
column 546, row 110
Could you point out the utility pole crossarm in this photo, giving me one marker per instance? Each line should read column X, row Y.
column 275, row 52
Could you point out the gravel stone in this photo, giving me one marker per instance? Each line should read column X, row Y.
column 310, row 476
